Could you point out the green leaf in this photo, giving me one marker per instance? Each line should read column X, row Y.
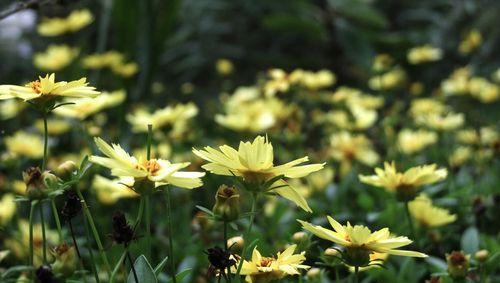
column 160, row 266
column 360, row 12
column 470, row 240
column 145, row 272
column 181, row 275
column 206, row 210
column 437, row 263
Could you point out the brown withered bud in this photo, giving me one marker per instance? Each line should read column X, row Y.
column 123, row 233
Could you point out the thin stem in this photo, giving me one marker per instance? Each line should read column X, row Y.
column 117, row 267
column 356, row 274
column 170, row 234
column 150, row 136
column 337, row 277
column 228, row 277
column 89, row 248
column 97, row 239
column 147, row 208
column 44, row 237
column 132, row 265
column 32, row 209
column 74, row 239
column 45, row 141
column 247, row 234
column 56, row 218
column 410, row 222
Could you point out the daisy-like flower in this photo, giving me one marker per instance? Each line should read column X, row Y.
column 135, row 172
column 414, row 141
column 359, row 241
column 266, row 269
column 24, row 144
column 405, row 184
column 85, row 107
column 428, row 215
column 175, row 116
column 347, row 148
column 55, row 58
column 424, row 54
column 46, row 89
column 110, row 191
column 58, row 26
column 253, row 161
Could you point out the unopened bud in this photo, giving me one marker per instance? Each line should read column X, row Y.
column 355, row 256
column 482, row 255
column 235, row 243
column 35, row 187
column 458, row 264
column 331, row 252
column 65, row 170
column 313, row 273
column 227, row 203
column 49, row 180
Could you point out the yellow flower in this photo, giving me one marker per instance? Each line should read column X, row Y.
column 484, row 90
column 110, row 191
column 471, row 41
column 7, row 208
column 405, row 183
column 74, row 22
column 131, row 170
column 55, row 58
column 382, row 62
column 460, row 156
column 441, row 122
column 10, row 108
column 316, row 80
column 254, row 162
column 346, row 148
column 125, row 70
column 83, row 108
column 389, row 80
column 25, row 144
column 47, row 88
column 224, row 67
column 360, row 242
column 57, row 126
column 359, row 118
column 424, row 106
column 111, row 59
column 266, row 269
column 428, row 215
column 279, row 81
column 354, row 97
column 423, row 54
column 413, row 141
column 457, row 83
column 176, row 116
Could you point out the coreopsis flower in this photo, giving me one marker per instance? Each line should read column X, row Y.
column 382, row 62
column 253, row 161
column 441, row 122
column 316, row 80
column 484, row 90
column 358, row 118
column 108, row 191
column 66, row 260
column 113, row 60
column 55, row 58
column 46, row 89
column 414, row 141
column 428, row 215
column 10, row 108
column 57, row 126
column 470, row 42
column 125, row 70
column 279, row 81
column 8, row 209
column 458, row 264
column 74, row 22
column 388, row 81
column 359, row 241
column 424, row 54
column 25, row 144
column 354, row 97
column 85, row 107
column 175, row 116
column 404, row 184
column 266, row 269
column 424, row 106
column 460, row 156
column 457, row 83
column 347, row 148
column 224, row 66
column 133, row 171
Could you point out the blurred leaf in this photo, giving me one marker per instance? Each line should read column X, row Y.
column 360, row 12
column 160, row 266
column 436, row 262
column 144, row 271
column 291, row 24
column 182, row 274
column 470, row 240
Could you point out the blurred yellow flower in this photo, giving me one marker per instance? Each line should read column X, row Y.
column 360, row 242
column 7, row 208
column 382, row 62
column 131, row 170
column 266, row 269
column 316, row 80
column 10, row 108
column 425, row 106
column 125, row 70
column 358, row 118
column 47, row 88
column 74, row 22
column 254, row 162
column 470, row 42
column 224, row 66
column 57, row 126
column 83, row 108
column 111, row 59
column 176, row 116
column 441, row 122
column 55, row 58
column 428, row 215
column 346, row 148
column 389, row 80
column 457, row 83
column 404, row 183
column 110, row 191
column 279, row 81
column 484, row 90
column 424, row 54
column 353, row 97
column 414, row 141
column 25, row 144
column 460, row 156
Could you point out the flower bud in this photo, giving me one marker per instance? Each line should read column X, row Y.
column 331, row 252
column 357, row 256
column 299, row 237
column 458, row 264
column 313, row 274
column 35, row 187
column 65, row 169
column 227, row 203
column 49, row 180
column 235, row 244
column 482, row 255
column 66, row 260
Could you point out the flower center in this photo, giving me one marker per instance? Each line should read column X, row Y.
column 152, row 166
column 36, row 86
column 266, row 261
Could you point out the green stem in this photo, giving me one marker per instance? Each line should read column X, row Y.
column 170, row 234
column 337, row 277
column 44, row 237
column 150, row 136
column 58, row 222
column 89, row 248
column 410, row 222
column 227, row 250
column 247, row 234
column 32, row 210
column 356, row 274
column 97, row 239
column 147, row 208
column 45, row 141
